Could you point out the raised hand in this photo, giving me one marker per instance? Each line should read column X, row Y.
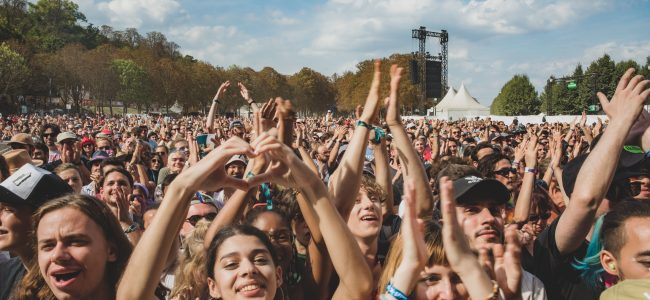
column 507, row 264
column 414, row 255
column 244, row 93
column 392, row 105
column 222, row 89
column 371, row 107
column 209, row 173
column 628, row 99
column 267, row 115
column 531, row 152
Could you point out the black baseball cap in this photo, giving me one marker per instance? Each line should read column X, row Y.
column 628, row 166
column 32, row 186
column 470, row 188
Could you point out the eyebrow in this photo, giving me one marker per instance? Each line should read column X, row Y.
column 66, row 238
column 644, row 253
column 254, row 252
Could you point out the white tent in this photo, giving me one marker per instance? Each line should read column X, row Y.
column 461, row 104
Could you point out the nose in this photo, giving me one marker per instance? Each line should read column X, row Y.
column 446, row 290
column 487, row 217
column 248, row 268
column 60, row 254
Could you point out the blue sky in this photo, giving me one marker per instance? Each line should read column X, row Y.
column 489, row 40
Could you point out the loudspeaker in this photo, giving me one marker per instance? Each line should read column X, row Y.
column 415, row 71
column 434, row 79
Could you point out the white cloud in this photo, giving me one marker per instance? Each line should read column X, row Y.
column 277, row 17
column 619, row 51
column 131, row 13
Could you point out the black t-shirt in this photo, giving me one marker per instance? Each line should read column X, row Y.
column 11, row 272
column 561, row 280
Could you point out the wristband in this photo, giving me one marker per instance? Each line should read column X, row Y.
column 397, row 294
column 364, row 124
column 530, row 170
column 132, row 228
column 216, row 101
column 515, row 164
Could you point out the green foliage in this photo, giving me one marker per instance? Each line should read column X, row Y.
column 352, row 88
column 517, row 97
column 132, row 79
column 13, row 70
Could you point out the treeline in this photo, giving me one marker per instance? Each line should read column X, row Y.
column 48, row 50
column 519, row 97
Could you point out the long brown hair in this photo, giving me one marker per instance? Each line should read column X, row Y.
column 33, row 285
column 435, row 251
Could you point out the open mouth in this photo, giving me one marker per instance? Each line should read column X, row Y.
column 65, row 278
column 369, row 218
column 251, row 290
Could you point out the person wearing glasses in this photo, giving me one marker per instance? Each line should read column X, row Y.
column 200, row 208
column 498, row 166
column 163, row 152
column 49, row 134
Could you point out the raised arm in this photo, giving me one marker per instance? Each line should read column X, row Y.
column 382, row 174
column 411, row 164
column 598, row 169
column 522, row 207
column 209, row 123
column 355, row 277
column 346, row 180
column 150, row 254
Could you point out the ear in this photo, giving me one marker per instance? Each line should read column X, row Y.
column 112, row 252
column 212, row 288
column 278, row 276
column 609, row 263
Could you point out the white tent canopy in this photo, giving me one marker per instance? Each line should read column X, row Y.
column 461, row 104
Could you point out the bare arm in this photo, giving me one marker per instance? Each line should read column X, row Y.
column 346, row 180
column 522, row 208
column 382, row 174
column 150, row 255
column 356, row 279
column 411, row 164
column 209, row 123
column 589, row 190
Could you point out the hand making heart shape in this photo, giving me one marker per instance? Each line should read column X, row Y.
column 209, row 173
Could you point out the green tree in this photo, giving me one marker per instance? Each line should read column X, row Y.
column 133, row 82
column 13, row 71
column 313, row 92
column 55, row 23
column 517, row 97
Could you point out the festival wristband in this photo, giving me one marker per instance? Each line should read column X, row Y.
column 530, row 170
column 397, row 294
column 364, row 124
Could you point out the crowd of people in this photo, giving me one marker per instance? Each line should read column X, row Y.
column 275, row 206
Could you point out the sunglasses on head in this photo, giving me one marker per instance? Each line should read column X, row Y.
column 49, row 134
column 196, row 218
column 505, row 172
column 544, row 216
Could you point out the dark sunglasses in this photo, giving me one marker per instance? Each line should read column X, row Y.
column 196, row 218
column 505, row 172
column 161, row 153
column 155, row 161
column 49, row 134
column 535, row 218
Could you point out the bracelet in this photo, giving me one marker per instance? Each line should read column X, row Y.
column 397, row 294
column 364, row 124
column 515, row 164
column 216, row 101
column 495, row 291
column 530, row 170
column 132, row 228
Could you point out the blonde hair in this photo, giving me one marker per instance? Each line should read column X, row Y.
column 191, row 280
column 435, row 251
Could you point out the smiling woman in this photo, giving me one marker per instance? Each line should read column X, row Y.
column 81, row 251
